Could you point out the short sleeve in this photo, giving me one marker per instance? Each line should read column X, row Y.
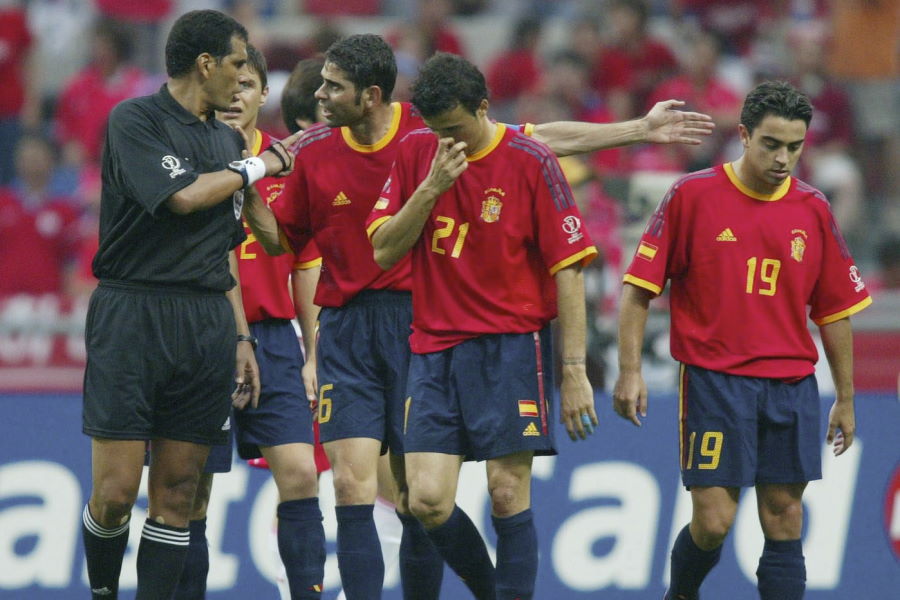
column 308, row 257
column 654, row 258
column 561, row 235
column 146, row 166
column 291, row 209
column 840, row 290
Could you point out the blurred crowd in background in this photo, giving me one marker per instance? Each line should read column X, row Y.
column 64, row 64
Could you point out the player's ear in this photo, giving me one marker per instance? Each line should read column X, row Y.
column 482, row 109
column 744, row 134
column 205, row 63
column 372, row 96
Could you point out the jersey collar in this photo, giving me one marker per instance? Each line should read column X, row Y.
column 165, row 101
column 495, row 141
column 778, row 194
column 384, row 141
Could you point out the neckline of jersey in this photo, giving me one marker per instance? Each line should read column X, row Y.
column 495, row 141
column 384, row 141
column 778, row 194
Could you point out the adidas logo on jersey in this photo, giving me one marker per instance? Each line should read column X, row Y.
column 340, row 200
column 531, row 430
column 726, row 236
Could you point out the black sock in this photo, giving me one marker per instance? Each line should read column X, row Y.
column 103, row 549
column 690, row 565
column 301, row 543
column 359, row 552
column 160, row 560
column 782, row 571
column 517, row 556
column 461, row 545
column 192, row 585
column 421, row 565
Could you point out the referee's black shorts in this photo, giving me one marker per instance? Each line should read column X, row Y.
column 160, row 364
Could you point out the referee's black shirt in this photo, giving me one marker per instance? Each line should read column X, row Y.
column 155, row 147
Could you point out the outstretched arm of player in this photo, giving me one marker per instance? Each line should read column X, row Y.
column 246, row 371
column 662, row 125
column 577, row 397
column 303, row 286
column 263, row 224
column 837, row 339
column 209, row 189
column 630, row 392
column 393, row 239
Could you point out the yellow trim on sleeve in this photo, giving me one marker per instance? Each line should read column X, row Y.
column 257, row 142
column 495, row 141
column 302, row 266
column 370, row 230
column 585, row 256
column 528, row 129
column 642, row 283
column 384, row 141
column 844, row 313
column 778, row 194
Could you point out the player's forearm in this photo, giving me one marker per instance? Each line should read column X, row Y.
column 262, row 222
column 572, row 319
column 394, row 237
column 572, row 137
column 236, row 298
column 633, row 310
column 303, row 285
column 208, row 190
column 837, row 339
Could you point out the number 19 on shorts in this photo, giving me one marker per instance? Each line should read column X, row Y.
column 710, row 450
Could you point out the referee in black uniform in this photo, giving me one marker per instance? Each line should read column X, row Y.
column 166, row 334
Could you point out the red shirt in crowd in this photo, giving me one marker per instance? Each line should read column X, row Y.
column 15, row 42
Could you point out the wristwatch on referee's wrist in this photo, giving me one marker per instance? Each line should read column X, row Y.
column 248, row 338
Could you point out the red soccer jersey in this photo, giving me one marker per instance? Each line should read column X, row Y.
column 264, row 278
column 744, row 267
column 487, row 255
column 335, row 183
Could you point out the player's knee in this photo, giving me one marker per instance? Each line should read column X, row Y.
column 711, row 527
column 111, row 510
column 781, row 519
column 430, row 508
column 297, row 482
column 349, row 489
column 507, row 501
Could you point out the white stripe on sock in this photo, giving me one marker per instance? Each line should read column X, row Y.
column 165, row 536
column 97, row 529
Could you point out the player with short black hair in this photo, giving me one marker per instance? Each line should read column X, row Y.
column 769, row 247
column 497, row 252
column 166, row 334
column 299, row 106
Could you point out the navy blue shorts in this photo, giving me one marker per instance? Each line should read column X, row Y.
column 739, row 431
column 160, row 364
column 483, row 398
column 363, row 360
column 283, row 415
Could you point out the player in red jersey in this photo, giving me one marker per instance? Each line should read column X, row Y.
column 497, row 250
column 342, row 168
column 767, row 246
column 274, row 290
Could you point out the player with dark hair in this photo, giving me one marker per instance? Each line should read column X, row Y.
column 280, row 427
column 497, row 252
column 299, row 106
column 166, row 332
column 748, row 403
column 367, row 312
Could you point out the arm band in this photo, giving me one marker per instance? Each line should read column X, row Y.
column 251, row 169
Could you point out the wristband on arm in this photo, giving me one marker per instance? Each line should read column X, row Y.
column 251, row 169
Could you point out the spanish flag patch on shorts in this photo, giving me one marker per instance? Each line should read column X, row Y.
column 528, row 408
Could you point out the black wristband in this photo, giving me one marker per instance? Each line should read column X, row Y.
column 248, row 338
column 275, row 151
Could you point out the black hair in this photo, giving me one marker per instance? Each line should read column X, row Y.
column 197, row 32
column 776, row 98
column 298, row 99
column 445, row 81
column 257, row 62
column 367, row 60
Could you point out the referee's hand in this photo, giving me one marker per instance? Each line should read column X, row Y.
column 246, row 378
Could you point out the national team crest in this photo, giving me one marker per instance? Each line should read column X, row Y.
column 798, row 244
column 491, row 206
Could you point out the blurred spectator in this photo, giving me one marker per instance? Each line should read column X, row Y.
column 143, row 19
column 38, row 232
column 82, row 281
column 865, row 59
column 344, row 7
column 736, row 22
column 247, row 13
column 517, row 69
column 87, row 98
column 631, row 62
column 703, row 91
column 428, row 33
column 283, row 55
column 826, row 162
column 19, row 103
column 888, row 255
